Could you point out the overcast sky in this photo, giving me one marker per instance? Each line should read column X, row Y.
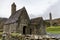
column 35, row 8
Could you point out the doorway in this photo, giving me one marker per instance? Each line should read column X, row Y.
column 30, row 31
column 24, row 30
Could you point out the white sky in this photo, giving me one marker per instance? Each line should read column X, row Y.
column 35, row 8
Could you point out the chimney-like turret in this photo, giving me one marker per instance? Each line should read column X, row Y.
column 13, row 9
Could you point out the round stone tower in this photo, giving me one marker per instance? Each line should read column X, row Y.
column 50, row 19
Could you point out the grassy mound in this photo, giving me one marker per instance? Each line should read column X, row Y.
column 54, row 29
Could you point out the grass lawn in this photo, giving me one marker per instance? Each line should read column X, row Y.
column 53, row 29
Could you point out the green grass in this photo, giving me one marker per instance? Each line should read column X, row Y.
column 54, row 29
column 1, row 35
column 14, row 34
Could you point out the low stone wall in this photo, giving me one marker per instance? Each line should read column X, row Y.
column 15, row 38
column 20, row 38
column 30, row 37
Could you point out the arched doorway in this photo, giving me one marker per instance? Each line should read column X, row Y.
column 24, row 30
column 30, row 31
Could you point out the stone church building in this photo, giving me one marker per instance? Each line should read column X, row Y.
column 19, row 22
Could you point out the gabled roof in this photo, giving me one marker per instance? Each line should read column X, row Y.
column 14, row 18
column 36, row 21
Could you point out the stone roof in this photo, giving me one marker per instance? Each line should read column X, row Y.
column 3, row 19
column 14, row 18
column 36, row 21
